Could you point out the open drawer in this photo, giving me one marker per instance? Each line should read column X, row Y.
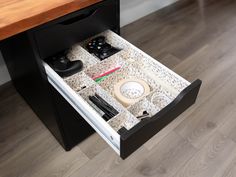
column 169, row 93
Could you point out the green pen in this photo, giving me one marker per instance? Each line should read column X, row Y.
column 98, row 80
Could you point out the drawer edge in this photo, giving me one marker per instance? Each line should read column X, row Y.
column 149, row 127
column 100, row 126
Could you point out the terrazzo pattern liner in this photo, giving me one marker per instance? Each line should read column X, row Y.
column 105, row 65
column 124, row 118
column 130, row 72
column 145, row 62
column 77, row 52
column 90, row 91
column 159, row 99
column 165, row 85
column 136, row 57
column 141, row 106
column 79, row 81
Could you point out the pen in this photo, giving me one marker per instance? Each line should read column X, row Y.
column 107, row 73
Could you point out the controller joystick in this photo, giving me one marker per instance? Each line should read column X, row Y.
column 101, row 40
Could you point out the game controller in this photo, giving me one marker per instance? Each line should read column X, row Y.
column 100, row 48
column 63, row 66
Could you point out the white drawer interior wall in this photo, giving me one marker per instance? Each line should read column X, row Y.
column 133, row 62
column 83, row 108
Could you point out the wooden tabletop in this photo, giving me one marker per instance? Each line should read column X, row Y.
column 20, row 15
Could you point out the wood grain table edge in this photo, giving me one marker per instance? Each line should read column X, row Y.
column 44, row 17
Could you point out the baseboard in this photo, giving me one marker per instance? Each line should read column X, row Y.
column 6, row 86
column 4, row 75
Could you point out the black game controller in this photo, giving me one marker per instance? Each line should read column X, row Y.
column 63, row 66
column 100, row 48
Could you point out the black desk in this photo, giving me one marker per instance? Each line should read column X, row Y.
column 24, row 53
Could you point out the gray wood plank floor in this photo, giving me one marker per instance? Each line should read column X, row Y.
column 196, row 43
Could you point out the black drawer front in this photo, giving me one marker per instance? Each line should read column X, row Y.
column 68, row 30
column 134, row 138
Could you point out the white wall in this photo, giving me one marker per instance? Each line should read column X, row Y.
column 4, row 76
column 131, row 10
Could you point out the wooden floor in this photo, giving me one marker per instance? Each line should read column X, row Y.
column 197, row 40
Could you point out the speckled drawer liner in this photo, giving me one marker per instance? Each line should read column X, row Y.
column 132, row 55
column 90, row 91
column 105, row 65
column 149, row 66
column 136, row 57
column 124, row 118
column 128, row 72
column 79, row 81
column 160, row 98
column 77, row 52
column 138, row 108
column 153, row 103
column 134, row 64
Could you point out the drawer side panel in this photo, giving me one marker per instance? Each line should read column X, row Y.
column 134, row 138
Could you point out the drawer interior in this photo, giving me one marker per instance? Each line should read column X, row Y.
column 165, row 86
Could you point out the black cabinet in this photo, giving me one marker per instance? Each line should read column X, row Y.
column 24, row 54
column 64, row 111
column 62, row 33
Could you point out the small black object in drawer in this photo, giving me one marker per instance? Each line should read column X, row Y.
column 103, row 106
column 100, row 48
column 62, row 33
column 63, row 66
